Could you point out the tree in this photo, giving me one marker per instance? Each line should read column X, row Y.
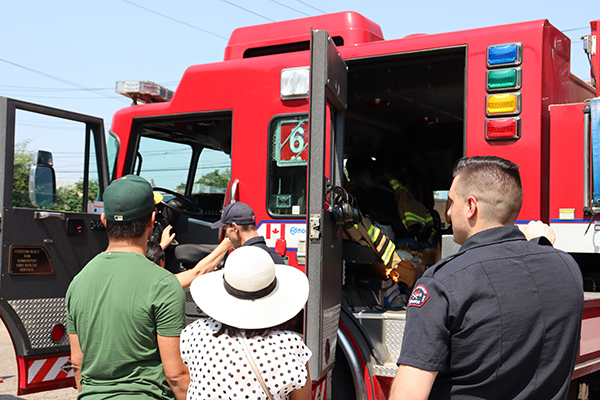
column 216, row 179
column 180, row 188
column 69, row 198
column 22, row 165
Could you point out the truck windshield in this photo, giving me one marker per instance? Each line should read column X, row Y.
column 163, row 163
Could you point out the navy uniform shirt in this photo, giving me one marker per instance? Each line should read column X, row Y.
column 259, row 241
column 501, row 319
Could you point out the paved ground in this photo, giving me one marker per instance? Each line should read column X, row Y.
column 8, row 373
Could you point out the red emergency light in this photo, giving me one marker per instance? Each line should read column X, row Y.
column 503, row 128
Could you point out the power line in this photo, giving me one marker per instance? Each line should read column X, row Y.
column 245, row 9
column 53, row 89
column 306, row 4
column 56, row 78
column 176, row 20
column 576, row 29
column 293, row 9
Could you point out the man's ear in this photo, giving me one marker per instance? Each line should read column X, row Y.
column 472, row 207
column 152, row 218
column 103, row 219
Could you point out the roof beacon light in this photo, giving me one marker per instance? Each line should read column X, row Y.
column 294, row 83
column 503, row 129
column 503, row 104
column 503, row 79
column 505, row 55
column 144, row 91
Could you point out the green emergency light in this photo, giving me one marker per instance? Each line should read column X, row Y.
column 503, row 79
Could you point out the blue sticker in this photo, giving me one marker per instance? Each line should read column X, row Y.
column 419, row 296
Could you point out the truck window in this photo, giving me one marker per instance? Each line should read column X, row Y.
column 189, row 155
column 163, row 163
column 287, row 166
column 113, row 153
column 64, row 143
column 213, row 172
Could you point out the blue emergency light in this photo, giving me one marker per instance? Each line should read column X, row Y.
column 504, row 54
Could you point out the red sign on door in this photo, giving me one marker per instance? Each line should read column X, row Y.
column 292, row 140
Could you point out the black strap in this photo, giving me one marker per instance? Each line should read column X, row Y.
column 244, row 295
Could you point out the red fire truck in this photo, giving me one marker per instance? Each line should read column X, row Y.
column 278, row 118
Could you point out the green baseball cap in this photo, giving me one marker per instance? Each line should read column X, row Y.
column 128, row 199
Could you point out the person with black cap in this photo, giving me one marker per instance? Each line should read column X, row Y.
column 124, row 313
column 246, row 347
column 239, row 223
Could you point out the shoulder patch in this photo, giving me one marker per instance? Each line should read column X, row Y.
column 419, row 296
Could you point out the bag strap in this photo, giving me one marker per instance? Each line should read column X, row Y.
column 253, row 365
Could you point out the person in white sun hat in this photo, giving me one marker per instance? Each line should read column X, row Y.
column 246, row 348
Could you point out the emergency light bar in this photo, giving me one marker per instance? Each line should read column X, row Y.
column 294, row 83
column 503, row 129
column 503, row 104
column 505, row 55
column 503, row 79
column 144, row 91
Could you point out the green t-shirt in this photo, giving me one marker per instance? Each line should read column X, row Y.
column 117, row 305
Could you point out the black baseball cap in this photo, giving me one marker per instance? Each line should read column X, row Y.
column 239, row 213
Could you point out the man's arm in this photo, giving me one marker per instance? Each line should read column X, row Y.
column 412, row 383
column 207, row 264
column 177, row 373
column 76, row 358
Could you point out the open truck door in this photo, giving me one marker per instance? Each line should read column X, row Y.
column 324, row 237
column 55, row 170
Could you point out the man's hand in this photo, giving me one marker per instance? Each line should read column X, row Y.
column 537, row 229
column 166, row 237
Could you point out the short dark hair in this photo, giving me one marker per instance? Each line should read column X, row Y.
column 128, row 230
column 495, row 182
column 155, row 253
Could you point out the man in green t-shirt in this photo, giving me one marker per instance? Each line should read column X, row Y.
column 125, row 313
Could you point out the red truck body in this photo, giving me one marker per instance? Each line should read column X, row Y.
column 420, row 99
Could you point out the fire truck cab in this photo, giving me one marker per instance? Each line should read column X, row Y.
column 277, row 120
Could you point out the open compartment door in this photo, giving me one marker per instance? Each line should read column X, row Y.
column 328, row 85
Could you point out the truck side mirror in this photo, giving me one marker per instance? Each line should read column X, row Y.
column 42, row 180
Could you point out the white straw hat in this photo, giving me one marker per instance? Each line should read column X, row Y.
column 251, row 292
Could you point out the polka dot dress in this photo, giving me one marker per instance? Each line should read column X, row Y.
column 219, row 368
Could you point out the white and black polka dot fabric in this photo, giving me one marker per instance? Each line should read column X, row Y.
column 219, row 368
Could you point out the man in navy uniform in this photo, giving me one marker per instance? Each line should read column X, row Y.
column 239, row 222
column 501, row 319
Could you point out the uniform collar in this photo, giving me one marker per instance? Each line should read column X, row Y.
column 493, row 236
column 254, row 240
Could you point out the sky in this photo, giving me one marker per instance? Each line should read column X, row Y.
column 69, row 54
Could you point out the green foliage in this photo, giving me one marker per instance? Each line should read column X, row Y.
column 216, row 179
column 69, row 198
column 22, row 164
column 180, row 188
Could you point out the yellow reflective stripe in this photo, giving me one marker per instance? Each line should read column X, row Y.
column 370, row 231
column 414, row 217
column 387, row 255
column 395, row 184
column 374, row 233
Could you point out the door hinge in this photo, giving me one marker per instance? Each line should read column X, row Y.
column 315, row 227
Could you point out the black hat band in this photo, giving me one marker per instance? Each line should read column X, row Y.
column 244, row 295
